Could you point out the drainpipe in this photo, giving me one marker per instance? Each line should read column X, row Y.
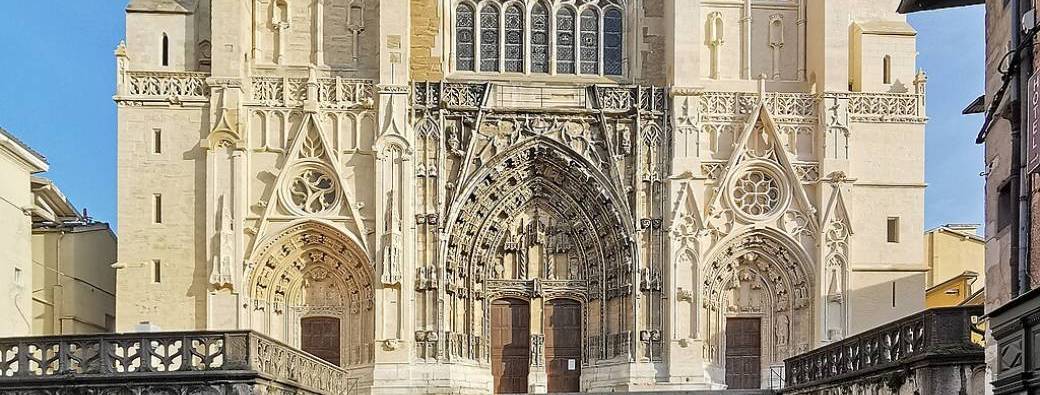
column 59, row 290
column 1020, row 149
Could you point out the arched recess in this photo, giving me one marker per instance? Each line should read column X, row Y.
column 759, row 274
column 308, row 270
column 539, row 221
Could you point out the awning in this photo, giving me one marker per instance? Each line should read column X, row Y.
column 908, row 6
column 977, row 106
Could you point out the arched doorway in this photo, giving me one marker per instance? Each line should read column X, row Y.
column 510, row 345
column 311, row 287
column 758, row 306
column 563, row 345
column 538, row 222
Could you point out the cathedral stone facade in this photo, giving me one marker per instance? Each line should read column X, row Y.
column 523, row 195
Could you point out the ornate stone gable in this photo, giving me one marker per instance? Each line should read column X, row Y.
column 760, row 183
column 310, row 184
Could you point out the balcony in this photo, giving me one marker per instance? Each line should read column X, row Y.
column 937, row 351
column 169, row 362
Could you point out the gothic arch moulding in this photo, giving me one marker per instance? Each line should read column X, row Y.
column 764, row 274
column 539, row 221
column 312, row 269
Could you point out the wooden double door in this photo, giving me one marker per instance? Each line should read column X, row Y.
column 511, row 345
column 744, row 353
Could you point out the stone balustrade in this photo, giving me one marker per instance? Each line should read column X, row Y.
column 332, row 93
column 161, row 362
column 932, row 351
column 163, row 85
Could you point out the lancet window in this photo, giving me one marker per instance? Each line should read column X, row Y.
column 491, row 37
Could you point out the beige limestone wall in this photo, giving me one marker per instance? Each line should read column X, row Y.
column 177, row 174
column 426, row 62
column 16, row 260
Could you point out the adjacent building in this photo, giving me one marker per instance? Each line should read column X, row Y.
column 955, row 256
column 1010, row 135
column 18, row 163
column 57, row 264
column 544, row 195
column 73, row 279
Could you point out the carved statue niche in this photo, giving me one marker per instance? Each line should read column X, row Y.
column 281, row 23
column 776, row 42
column 391, row 162
column 716, row 38
column 221, row 274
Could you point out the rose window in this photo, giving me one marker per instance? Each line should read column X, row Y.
column 313, row 191
column 757, row 193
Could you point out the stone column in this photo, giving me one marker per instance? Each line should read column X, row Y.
column 537, row 379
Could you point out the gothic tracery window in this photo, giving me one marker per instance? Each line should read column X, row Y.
column 514, row 23
column 565, row 41
column 495, row 37
column 589, row 42
column 489, row 49
column 757, row 193
column 613, row 42
column 464, row 34
column 539, row 39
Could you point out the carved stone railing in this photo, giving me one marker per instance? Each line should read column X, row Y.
column 805, row 107
column 220, row 362
column 468, row 96
column 933, row 338
column 887, row 107
column 332, row 93
column 162, row 85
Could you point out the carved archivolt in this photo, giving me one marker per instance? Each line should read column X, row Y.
column 313, row 269
column 759, row 274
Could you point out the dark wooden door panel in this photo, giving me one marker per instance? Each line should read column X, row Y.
column 510, row 345
column 320, row 337
column 563, row 345
column 743, row 353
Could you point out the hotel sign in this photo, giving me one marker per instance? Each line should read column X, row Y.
column 1033, row 137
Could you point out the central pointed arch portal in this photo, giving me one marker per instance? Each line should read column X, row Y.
column 539, row 236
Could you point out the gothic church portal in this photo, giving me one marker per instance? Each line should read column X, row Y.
column 523, row 195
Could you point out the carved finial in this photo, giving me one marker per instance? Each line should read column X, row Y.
column 920, row 81
column 762, row 86
column 120, row 51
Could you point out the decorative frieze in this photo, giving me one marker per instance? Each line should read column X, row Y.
column 332, row 93
column 803, row 107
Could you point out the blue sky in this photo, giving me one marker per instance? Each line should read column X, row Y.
column 58, row 79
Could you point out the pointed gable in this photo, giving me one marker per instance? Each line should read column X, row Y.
column 760, row 146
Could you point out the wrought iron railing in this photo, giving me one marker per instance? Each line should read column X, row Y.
column 942, row 332
column 58, row 362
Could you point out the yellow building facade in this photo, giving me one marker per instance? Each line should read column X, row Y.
column 955, row 256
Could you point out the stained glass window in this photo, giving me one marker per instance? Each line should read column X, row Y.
column 589, row 42
column 613, row 42
column 565, row 41
column 464, row 38
column 514, row 39
column 539, row 39
column 489, row 38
